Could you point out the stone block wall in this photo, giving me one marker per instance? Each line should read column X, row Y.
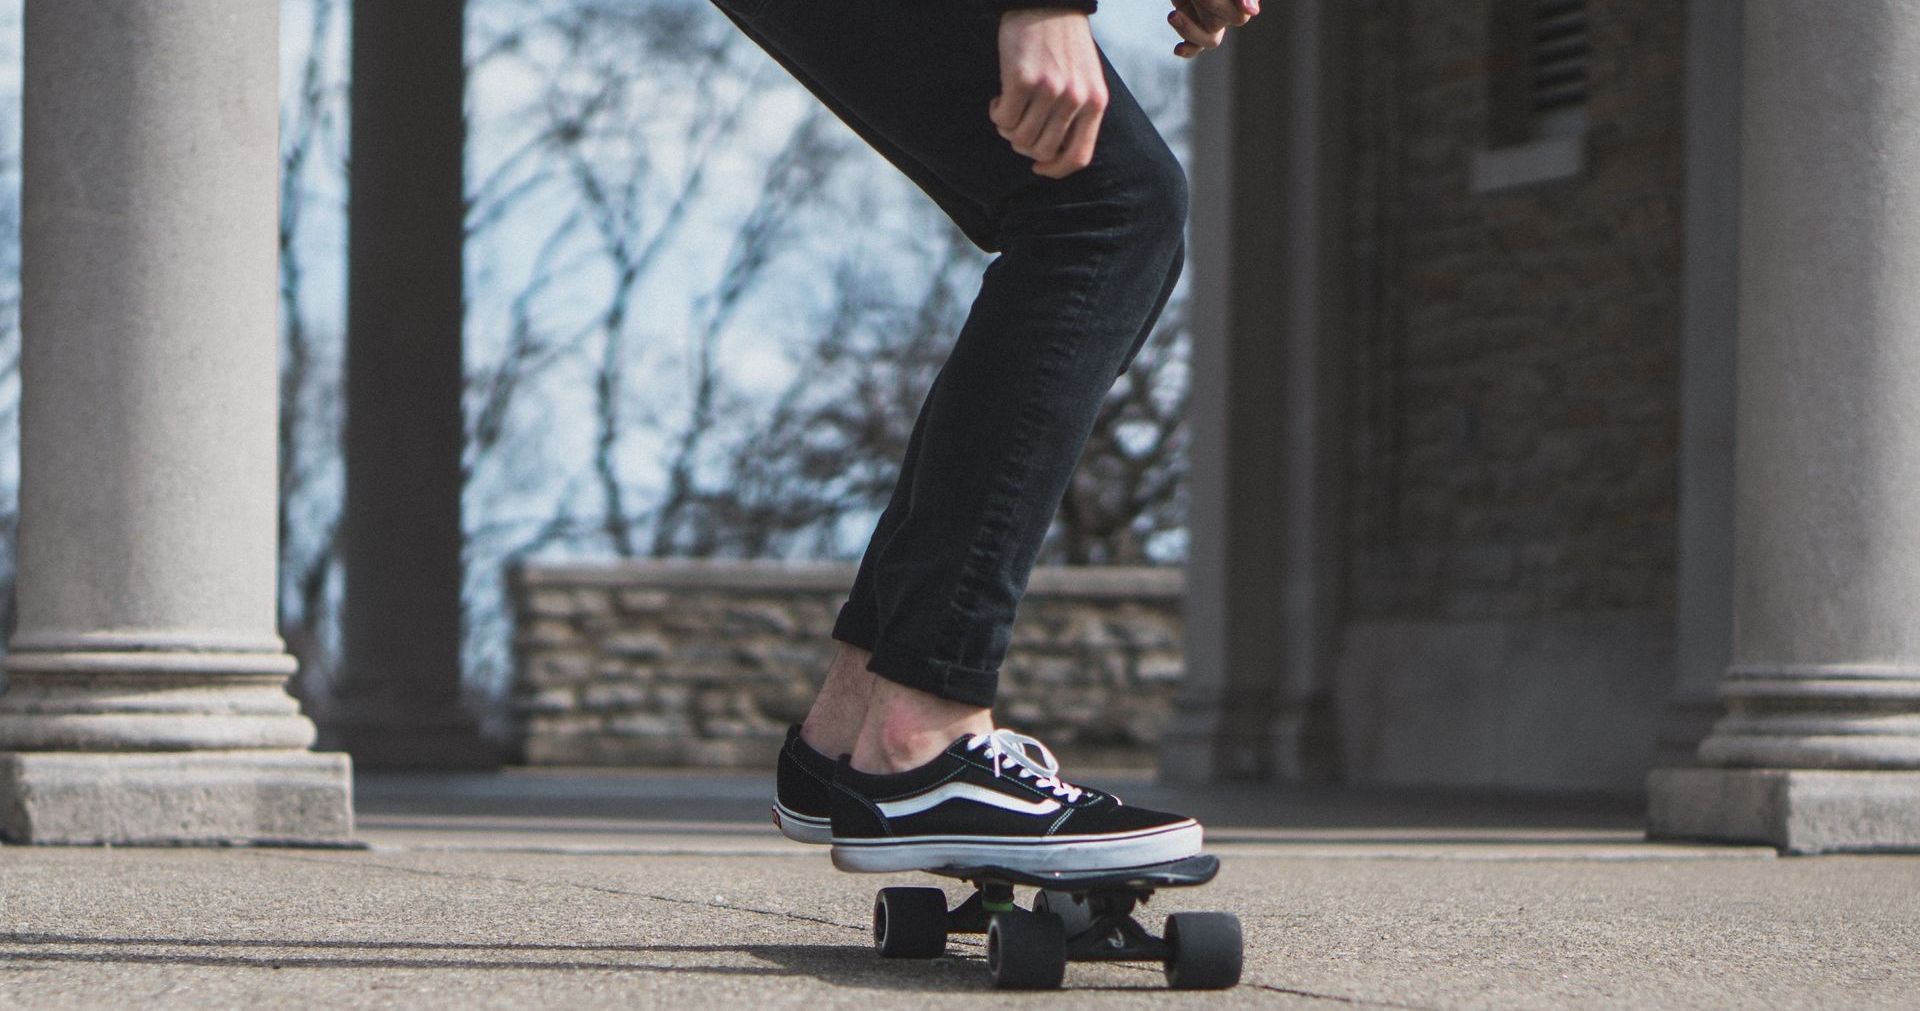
column 1514, row 385
column 1513, row 404
column 705, row 663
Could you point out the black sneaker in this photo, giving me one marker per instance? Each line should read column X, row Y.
column 801, row 809
column 995, row 800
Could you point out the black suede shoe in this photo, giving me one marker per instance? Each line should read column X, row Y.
column 801, row 781
column 995, row 800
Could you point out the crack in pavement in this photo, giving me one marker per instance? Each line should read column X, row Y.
column 1336, row 998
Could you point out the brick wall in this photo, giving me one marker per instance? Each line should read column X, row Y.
column 1514, row 385
column 696, row 663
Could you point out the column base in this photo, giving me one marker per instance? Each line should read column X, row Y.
column 176, row 798
column 1802, row 811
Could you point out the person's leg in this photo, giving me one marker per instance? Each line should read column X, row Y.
column 902, row 726
column 1087, row 263
column 1084, row 267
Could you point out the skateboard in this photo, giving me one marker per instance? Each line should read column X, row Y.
column 1076, row 916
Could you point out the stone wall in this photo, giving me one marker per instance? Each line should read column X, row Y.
column 1513, row 393
column 1515, row 381
column 705, row 663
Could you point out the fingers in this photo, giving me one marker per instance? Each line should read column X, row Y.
column 1007, row 108
column 1025, row 135
column 1047, row 144
column 1214, row 15
column 1076, row 151
column 1053, row 89
column 1198, row 38
column 1055, row 124
column 1203, row 24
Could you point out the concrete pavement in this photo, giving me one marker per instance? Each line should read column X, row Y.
column 584, row 890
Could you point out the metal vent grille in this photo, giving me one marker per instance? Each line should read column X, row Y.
column 1559, row 52
column 1538, row 64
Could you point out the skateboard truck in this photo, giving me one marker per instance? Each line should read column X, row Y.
column 1076, row 917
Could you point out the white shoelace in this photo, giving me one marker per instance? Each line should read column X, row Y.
column 1030, row 758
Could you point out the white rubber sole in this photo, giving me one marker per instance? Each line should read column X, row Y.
column 800, row 827
column 1058, row 853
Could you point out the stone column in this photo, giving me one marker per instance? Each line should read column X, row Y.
column 398, row 701
column 1709, row 323
column 1263, row 566
column 146, row 699
column 1819, row 746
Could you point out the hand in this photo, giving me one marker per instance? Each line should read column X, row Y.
column 1204, row 23
column 1053, row 89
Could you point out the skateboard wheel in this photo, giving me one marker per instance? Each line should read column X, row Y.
column 910, row 922
column 1074, row 913
column 1203, row 951
column 1026, row 951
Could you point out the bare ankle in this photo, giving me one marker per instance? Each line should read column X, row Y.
column 833, row 723
column 905, row 728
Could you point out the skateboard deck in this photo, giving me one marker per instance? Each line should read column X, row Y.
column 1074, row 916
column 1194, row 870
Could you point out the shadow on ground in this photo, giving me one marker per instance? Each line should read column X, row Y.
column 838, row 964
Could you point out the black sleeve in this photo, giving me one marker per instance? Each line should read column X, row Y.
column 1003, row 6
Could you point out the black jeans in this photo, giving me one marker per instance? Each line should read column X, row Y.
column 1086, row 264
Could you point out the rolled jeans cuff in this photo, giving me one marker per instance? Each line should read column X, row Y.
column 970, row 686
column 856, row 626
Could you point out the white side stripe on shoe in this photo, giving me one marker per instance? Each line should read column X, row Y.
column 965, row 791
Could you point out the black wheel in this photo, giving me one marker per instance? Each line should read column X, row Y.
column 1203, row 951
column 910, row 922
column 1074, row 913
column 1026, row 951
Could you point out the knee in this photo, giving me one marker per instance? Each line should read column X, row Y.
column 1137, row 199
column 1149, row 192
column 1159, row 199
